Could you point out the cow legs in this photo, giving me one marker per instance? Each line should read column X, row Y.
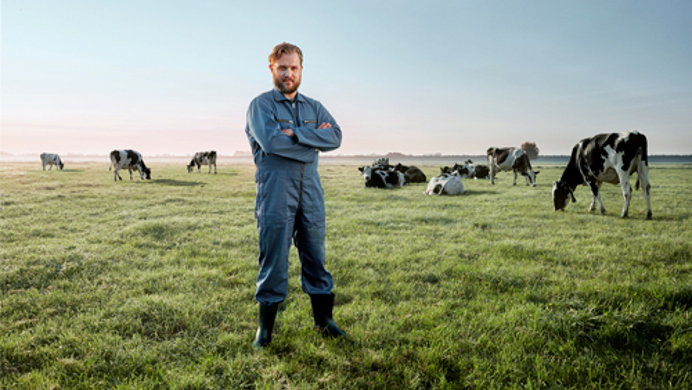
column 643, row 177
column 596, row 198
column 214, row 169
column 515, row 177
column 626, row 194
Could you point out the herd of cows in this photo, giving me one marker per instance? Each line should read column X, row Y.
column 604, row 158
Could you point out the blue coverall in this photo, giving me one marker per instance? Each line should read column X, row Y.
column 290, row 200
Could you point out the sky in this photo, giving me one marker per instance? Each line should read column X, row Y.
column 414, row 77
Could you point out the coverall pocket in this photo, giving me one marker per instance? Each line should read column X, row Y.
column 310, row 123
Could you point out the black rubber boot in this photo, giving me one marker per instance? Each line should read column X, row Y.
column 267, row 315
column 322, row 305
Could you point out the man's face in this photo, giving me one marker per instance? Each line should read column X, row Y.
column 287, row 71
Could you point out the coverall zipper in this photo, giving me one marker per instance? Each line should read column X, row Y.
column 300, row 192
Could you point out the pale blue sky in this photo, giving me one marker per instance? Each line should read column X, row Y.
column 417, row 77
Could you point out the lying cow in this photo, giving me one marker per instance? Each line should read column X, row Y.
column 381, row 162
column 514, row 159
column 382, row 178
column 445, row 184
column 412, row 174
column 463, row 169
column 480, row 172
column 610, row 158
column 128, row 159
column 202, row 158
column 51, row 159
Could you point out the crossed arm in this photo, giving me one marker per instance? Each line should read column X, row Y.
column 290, row 133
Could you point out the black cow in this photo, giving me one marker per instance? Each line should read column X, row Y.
column 412, row 174
column 202, row 158
column 610, row 158
column 514, row 159
column 128, row 159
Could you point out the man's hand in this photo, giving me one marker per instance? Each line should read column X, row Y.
column 289, row 132
column 325, row 125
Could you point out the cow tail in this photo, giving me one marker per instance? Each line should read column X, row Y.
column 641, row 169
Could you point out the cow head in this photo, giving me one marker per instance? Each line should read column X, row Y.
column 561, row 195
column 531, row 174
column 61, row 165
column 401, row 168
column 147, row 173
column 191, row 166
column 366, row 171
column 445, row 170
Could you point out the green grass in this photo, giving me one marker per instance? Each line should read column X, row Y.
column 149, row 285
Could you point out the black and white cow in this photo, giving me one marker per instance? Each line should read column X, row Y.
column 464, row 169
column 412, row 174
column 381, row 162
column 202, row 158
column 51, row 159
column 480, row 172
column 376, row 177
column 510, row 159
column 128, row 159
column 445, row 184
column 610, row 158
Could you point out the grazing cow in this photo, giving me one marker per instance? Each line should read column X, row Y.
column 128, row 159
column 382, row 178
column 445, row 184
column 51, row 159
column 610, row 158
column 514, row 159
column 202, row 158
column 412, row 174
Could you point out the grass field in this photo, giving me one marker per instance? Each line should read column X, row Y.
column 149, row 285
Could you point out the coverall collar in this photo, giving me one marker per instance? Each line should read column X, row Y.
column 278, row 96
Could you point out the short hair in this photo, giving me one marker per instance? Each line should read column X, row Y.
column 284, row 48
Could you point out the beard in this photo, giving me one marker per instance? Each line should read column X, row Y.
column 283, row 88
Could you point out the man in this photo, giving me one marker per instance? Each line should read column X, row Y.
column 287, row 130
